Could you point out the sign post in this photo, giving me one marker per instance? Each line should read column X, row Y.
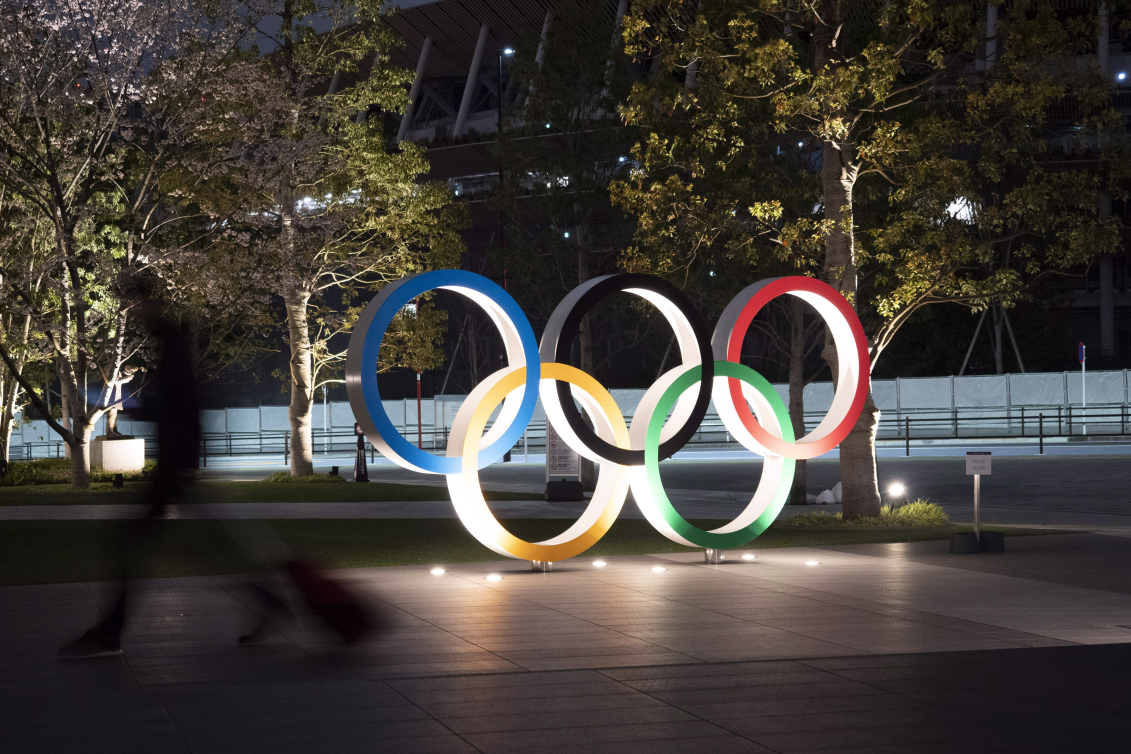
column 965, row 543
column 563, row 466
column 978, row 463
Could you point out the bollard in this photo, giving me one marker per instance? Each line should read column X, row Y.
column 907, row 435
column 1041, row 431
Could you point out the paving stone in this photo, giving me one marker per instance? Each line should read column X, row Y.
column 872, row 652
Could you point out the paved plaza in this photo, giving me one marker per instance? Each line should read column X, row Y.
column 878, row 648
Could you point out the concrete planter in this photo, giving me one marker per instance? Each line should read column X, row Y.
column 118, row 455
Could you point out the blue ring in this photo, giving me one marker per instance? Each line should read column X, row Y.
column 404, row 291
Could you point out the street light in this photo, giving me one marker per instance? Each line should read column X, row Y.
column 505, row 52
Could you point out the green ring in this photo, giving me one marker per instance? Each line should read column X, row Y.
column 652, row 463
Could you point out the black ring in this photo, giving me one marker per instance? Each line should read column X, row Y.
column 571, row 325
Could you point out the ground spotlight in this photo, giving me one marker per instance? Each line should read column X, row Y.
column 812, row 562
column 494, row 577
column 657, row 569
column 747, row 556
column 599, row 564
column 437, row 572
column 897, row 489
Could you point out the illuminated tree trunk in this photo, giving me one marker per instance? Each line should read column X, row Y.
column 65, row 419
column 302, row 383
column 79, row 445
column 8, row 390
column 859, row 487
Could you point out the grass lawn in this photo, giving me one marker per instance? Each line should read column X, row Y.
column 241, row 492
column 42, row 552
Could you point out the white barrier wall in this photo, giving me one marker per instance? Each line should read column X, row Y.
column 972, row 396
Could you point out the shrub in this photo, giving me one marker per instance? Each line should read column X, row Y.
column 39, row 471
column 58, row 471
column 283, row 476
column 918, row 513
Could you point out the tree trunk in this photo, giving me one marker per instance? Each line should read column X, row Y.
column 859, row 488
column 78, row 448
column 8, row 388
column 797, row 393
column 112, row 414
column 6, row 436
column 9, row 391
column 65, row 408
column 302, row 383
column 80, row 458
column 586, row 468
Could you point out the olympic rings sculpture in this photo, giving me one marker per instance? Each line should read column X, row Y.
column 629, row 457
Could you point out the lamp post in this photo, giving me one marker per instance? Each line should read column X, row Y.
column 505, row 52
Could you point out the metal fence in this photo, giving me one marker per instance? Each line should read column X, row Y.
column 995, row 406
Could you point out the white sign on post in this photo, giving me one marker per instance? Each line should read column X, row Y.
column 978, row 463
column 561, row 459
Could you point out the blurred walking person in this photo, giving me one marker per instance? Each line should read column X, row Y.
column 171, row 400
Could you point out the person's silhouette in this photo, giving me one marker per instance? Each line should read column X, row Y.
column 171, row 402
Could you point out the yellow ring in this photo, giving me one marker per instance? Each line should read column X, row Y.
column 612, row 484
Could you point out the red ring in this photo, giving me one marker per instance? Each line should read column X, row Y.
column 770, row 291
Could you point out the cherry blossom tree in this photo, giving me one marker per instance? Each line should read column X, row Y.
column 307, row 178
column 99, row 102
column 19, row 241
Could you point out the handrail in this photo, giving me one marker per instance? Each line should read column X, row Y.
column 980, row 423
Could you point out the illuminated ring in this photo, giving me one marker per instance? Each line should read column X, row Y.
column 852, row 377
column 365, row 345
column 777, row 471
column 557, row 342
column 612, row 481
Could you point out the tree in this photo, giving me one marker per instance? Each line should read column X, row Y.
column 721, row 200
column 906, row 119
column 19, row 245
column 305, row 180
column 560, row 146
column 98, row 100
